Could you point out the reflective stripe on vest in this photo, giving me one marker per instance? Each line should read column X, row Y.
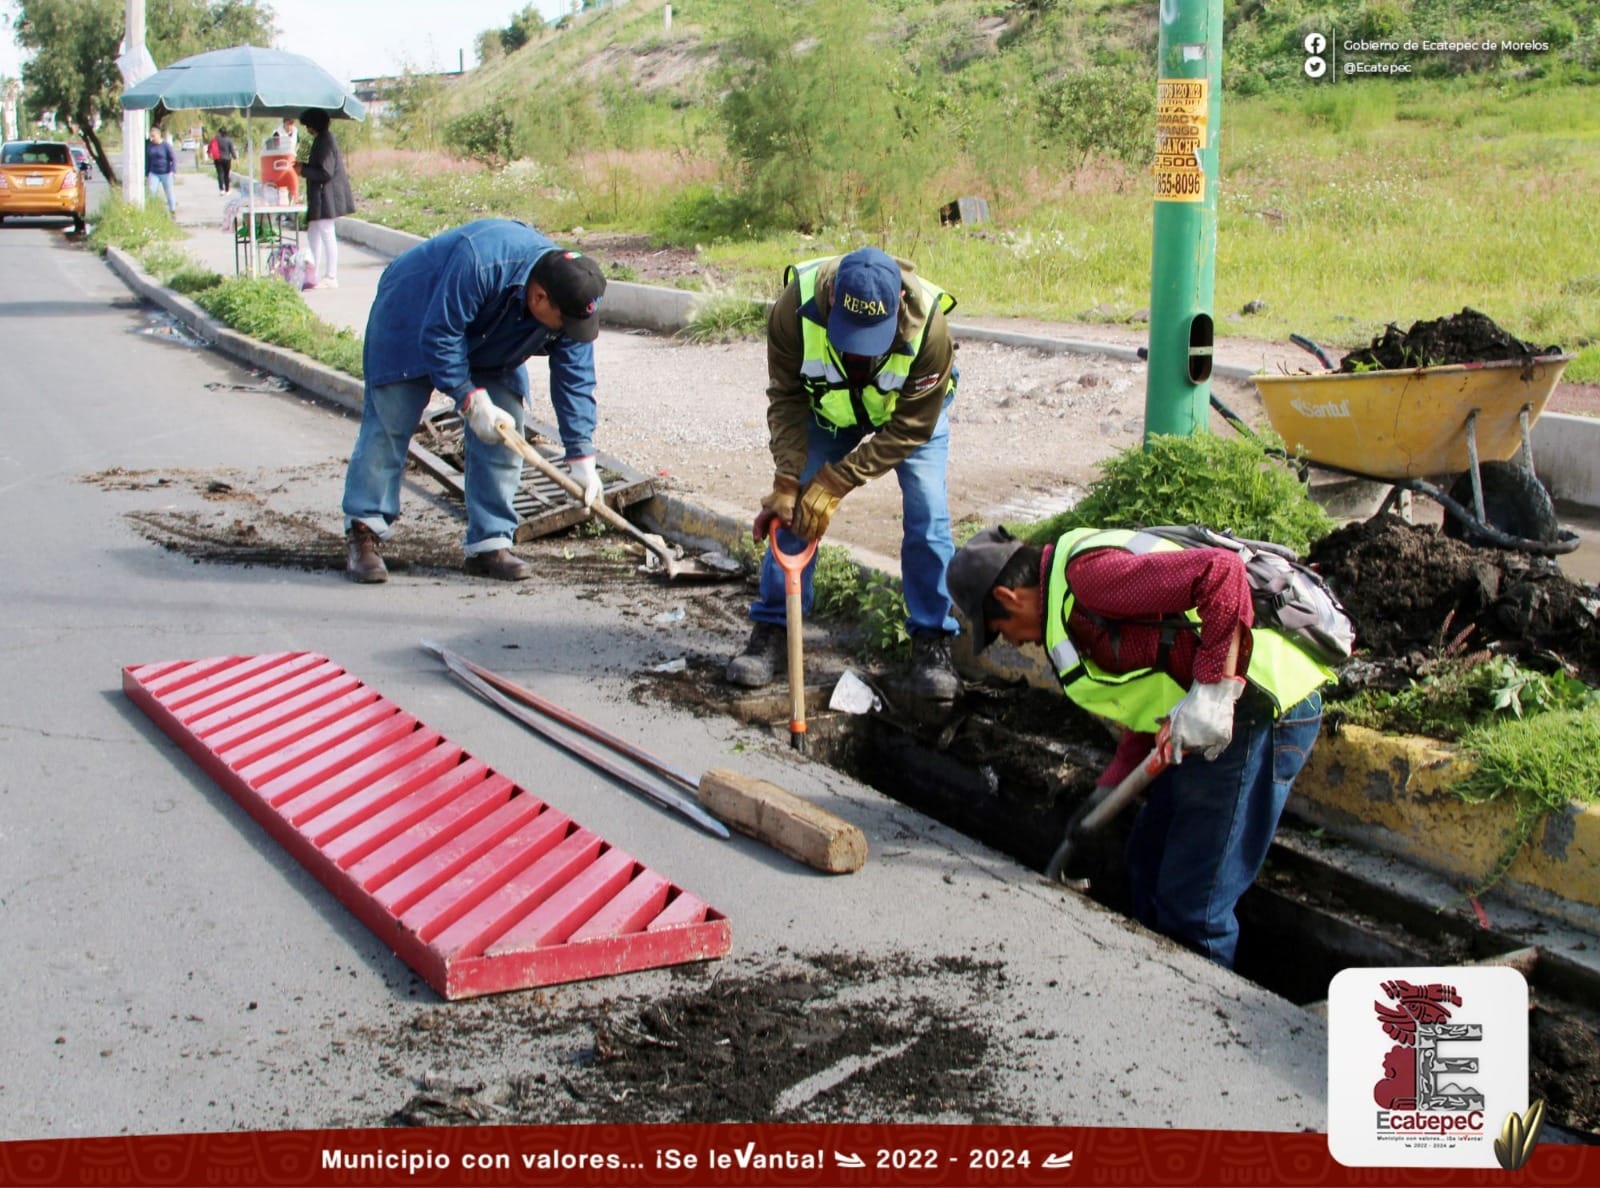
column 822, row 371
column 1140, row 699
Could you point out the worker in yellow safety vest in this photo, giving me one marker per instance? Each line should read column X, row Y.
column 861, row 373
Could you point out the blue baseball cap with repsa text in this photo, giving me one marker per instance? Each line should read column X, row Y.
column 866, row 304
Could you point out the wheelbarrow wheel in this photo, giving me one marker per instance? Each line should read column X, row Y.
column 1514, row 502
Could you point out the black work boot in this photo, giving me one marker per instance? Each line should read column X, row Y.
column 933, row 674
column 758, row 663
column 363, row 562
column 501, row 564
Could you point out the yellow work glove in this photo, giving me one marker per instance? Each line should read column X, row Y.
column 779, row 505
column 818, row 502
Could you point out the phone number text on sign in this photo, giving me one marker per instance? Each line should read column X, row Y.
column 1181, row 113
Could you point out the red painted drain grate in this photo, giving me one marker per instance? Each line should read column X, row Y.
column 476, row 883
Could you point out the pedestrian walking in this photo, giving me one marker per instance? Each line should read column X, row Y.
column 160, row 166
column 860, row 377
column 328, row 196
column 1139, row 630
column 459, row 313
column 222, row 153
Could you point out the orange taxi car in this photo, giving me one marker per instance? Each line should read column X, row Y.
column 39, row 177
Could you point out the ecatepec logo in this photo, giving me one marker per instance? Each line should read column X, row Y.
column 1425, row 1065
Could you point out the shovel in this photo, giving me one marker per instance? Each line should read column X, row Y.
column 674, row 566
column 1103, row 806
column 793, row 565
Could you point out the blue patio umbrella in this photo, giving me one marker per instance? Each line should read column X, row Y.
column 247, row 79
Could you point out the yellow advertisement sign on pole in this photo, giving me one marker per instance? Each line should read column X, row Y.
column 1181, row 105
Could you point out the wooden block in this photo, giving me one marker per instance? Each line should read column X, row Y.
column 785, row 822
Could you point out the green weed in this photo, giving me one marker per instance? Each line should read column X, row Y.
column 133, row 229
column 270, row 310
column 1220, row 482
column 1539, row 764
column 725, row 319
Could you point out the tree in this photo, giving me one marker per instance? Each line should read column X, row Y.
column 525, row 26
column 807, row 108
column 415, row 101
column 1109, row 110
column 73, row 70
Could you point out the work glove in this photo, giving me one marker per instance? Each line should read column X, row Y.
column 583, row 473
column 817, row 503
column 484, row 417
column 779, row 505
column 1203, row 720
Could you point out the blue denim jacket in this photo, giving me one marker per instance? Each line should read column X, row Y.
column 455, row 307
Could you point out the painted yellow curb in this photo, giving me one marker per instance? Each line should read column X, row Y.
column 1391, row 792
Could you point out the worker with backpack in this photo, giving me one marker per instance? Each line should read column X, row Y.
column 1228, row 642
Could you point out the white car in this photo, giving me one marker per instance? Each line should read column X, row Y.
column 191, row 145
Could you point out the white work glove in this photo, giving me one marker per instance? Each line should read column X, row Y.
column 484, row 417
column 583, row 473
column 1203, row 720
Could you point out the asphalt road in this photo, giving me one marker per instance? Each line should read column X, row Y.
column 166, row 967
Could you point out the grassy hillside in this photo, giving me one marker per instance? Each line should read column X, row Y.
column 1343, row 206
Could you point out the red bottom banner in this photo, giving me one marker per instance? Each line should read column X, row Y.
column 739, row 1154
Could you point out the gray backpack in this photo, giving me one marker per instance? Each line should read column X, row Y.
column 1288, row 594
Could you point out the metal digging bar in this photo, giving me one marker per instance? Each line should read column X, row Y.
column 567, row 718
column 674, row 566
column 662, row 796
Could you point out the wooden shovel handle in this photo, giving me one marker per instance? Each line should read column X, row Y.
column 793, row 566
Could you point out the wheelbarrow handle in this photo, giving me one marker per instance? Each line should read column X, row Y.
column 794, row 567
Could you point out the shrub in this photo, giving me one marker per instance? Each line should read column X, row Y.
column 1106, row 110
column 1229, row 483
column 485, row 135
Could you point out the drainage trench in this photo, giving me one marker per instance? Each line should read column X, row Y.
column 1305, row 919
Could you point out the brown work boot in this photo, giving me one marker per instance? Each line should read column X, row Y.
column 758, row 663
column 363, row 561
column 501, row 564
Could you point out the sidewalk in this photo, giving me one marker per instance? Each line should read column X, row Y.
column 200, row 215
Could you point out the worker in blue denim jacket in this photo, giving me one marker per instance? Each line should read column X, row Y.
column 459, row 313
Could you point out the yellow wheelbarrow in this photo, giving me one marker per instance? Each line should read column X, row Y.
column 1460, row 424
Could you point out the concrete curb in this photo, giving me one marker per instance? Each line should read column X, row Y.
column 1370, row 789
column 1391, row 793
column 306, row 374
column 1566, row 455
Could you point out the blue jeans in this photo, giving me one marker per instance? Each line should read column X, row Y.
column 1205, row 828
column 389, row 416
column 925, row 549
column 161, row 183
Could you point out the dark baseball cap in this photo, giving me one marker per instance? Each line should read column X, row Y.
column 972, row 575
column 576, row 284
column 866, row 304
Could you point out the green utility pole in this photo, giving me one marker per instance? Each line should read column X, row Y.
column 1183, row 262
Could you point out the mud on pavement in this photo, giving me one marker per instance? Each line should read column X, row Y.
column 810, row 1037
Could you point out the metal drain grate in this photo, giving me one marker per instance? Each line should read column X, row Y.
column 477, row 884
column 542, row 506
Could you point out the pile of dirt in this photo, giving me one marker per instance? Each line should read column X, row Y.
column 1466, row 337
column 1409, row 587
column 820, row 1037
column 1565, row 1067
